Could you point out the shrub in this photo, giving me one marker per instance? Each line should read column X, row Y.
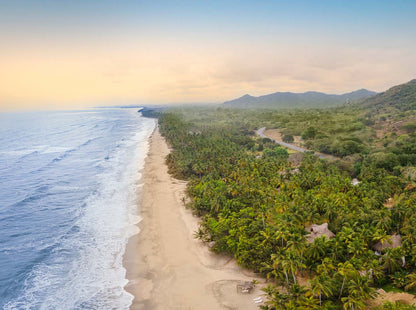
column 288, row 138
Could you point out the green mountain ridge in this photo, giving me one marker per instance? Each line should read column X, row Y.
column 297, row 100
column 401, row 97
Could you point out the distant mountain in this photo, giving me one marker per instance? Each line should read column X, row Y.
column 401, row 97
column 294, row 100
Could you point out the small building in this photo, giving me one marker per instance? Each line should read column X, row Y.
column 316, row 231
column 396, row 241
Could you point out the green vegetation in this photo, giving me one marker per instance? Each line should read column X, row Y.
column 298, row 100
column 400, row 97
column 256, row 200
column 395, row 306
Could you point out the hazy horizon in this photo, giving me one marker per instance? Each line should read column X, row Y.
column 68, row 55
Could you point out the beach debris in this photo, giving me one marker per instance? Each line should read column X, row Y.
column 257, row 300
column 245, row 287
column 355, row 182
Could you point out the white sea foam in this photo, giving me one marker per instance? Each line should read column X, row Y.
column 55, row 149
column 41, row 149
column 96, row 276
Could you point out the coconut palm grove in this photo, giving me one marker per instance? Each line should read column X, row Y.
column 325, row 232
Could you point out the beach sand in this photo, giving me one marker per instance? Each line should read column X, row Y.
column 166, row 266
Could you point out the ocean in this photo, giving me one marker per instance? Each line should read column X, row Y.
column 69, row 186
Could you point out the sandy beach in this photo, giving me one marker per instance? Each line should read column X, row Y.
column 166, row 266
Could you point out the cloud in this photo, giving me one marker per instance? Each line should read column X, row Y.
column 162, row 72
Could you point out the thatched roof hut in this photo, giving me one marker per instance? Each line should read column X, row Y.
column 316, row 231
column 396, row 241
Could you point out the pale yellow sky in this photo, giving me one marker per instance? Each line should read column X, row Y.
column 163, row 73
column 55, row 63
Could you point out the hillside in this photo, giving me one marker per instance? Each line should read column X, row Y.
column 297, row 100
column 393, row 112
column 401, row 97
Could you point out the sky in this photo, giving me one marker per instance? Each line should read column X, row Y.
column 75, row 54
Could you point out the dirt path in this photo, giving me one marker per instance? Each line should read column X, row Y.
column 260, row 132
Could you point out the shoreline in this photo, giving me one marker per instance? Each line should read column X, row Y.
column 166, row 266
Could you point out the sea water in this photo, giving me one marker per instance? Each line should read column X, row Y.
column 68, row 204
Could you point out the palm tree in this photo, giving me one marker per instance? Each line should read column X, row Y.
column 353, row 302
column 338, row 250
column 411, row 281
column 275, row 300
column 297, row 294
column 327, row 267
column 316, row 249
column 375, row 268
column 398, row 215
column 346, row 270
column 281, row 233
column 308, row 303
column 346, row 235
column 393, row 259
column 382, row 219
column 360, row 286
column 267, row 234
column 380, row 235
column 280, row 265
column 321, row 284
column 288, row 265
column 356, row 247
column 297, row 245
column 409, row 230
column 412, row 253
